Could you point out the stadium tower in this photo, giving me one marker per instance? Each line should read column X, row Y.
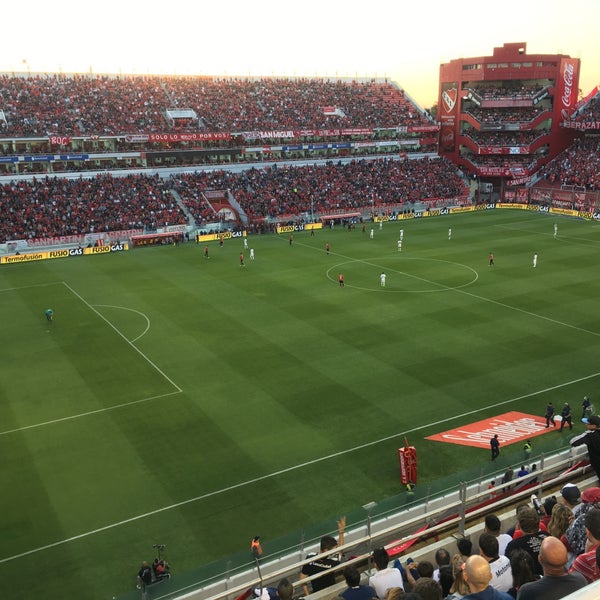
column 500, row 116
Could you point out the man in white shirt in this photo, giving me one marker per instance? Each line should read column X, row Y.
column 385, row 578
column 492, row 525
column 502, row 579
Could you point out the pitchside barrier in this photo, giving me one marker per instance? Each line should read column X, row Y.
column 417, row 523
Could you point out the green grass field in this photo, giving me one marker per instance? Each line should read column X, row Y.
column 195, row 402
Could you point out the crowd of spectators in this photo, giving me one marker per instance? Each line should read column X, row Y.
column 504, row 138
column 279, row 193
column 591, row 112
column 531, row 558
column 54, row 207
column 51, row 207
column 517, row 91
column 578, row 165
column 84, row 105
column 511, row 116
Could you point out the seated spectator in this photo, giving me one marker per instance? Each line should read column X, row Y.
column 570, row 496
column 547, row 507
column 428, row 589
column 395, row 593
column 478, row 576
column 522, row 567
column 355, row 590
column 560, row 519
column 325, row 564
column 459, row 588
column 528, row 521
column 492, row 525
column 499, row 564
column 556, row 582
column 160, row 569
column 585, row 563
column 442, row 559
column 465, row 548
column 385, row 577
column 285, row 590
column 575, row 537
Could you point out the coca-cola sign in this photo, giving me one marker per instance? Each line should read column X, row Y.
column 567, row 86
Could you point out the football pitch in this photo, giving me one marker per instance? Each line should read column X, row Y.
column 196, row 402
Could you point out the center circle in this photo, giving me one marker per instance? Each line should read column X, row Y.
column 406, row 274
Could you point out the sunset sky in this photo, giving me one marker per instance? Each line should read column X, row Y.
column 403, row 41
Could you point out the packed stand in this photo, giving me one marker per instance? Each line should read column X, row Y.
column 549, row 551
column 46, row 208
column 505, row 115
column 82, row 105
column 280, row 193
column 578, row 165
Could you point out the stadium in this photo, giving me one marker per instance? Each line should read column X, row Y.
column 254, row 307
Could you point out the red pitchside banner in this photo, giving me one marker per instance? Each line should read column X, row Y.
column 59, row 140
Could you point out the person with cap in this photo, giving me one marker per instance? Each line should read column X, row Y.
column 556, row 582
column 591, row 438
column 570, row 496
column 586, row 563
column 566, row 417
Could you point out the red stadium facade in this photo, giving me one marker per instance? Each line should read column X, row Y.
column 501, row 116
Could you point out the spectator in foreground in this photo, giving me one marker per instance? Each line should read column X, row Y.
column 521, row 564
column 561, row 518
column 324, row 565
column 459, row 588
column 585, row 563
column 285, row 590
column 575, row 537
column 499, row 564
column 385, row 578
column 556, row 582
column 570, row 496
column 528, row 521
column 478, row 575
column 428, row 589
column 355, row 590
column 492, row 525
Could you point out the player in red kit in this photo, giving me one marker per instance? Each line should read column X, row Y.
column 341, row 279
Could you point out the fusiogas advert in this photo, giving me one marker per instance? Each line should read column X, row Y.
column 63, row 253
